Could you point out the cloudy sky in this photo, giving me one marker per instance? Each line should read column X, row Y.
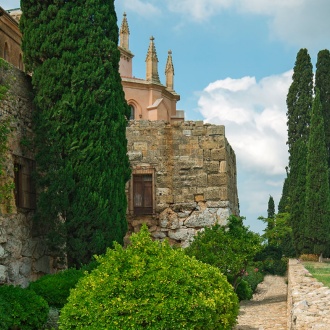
column 233, row 64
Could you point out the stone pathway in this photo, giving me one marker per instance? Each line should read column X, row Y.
column 268, row 308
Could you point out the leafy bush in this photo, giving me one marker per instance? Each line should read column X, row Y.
column 253, row 277
column 309, row 257
column 244, row 291
column 55, row 288
column 149, row 285
column 270, row 260
column 21, row 309
column 230, row 248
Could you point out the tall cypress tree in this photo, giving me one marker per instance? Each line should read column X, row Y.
column 322, row 82
column 299, row 104
column 80, row 123
column 317, row 208
column 270, row 216
column 283, row 204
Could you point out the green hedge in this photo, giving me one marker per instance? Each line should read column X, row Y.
column 21, row 309
column 149, row 285
column 55, row 288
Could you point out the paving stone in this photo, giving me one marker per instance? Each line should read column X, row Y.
column 267, row 310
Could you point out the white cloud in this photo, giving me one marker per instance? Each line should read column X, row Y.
column 298, row 22
column 301, row 23
column 254, row 114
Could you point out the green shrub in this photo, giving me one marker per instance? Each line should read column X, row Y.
column 21, row 309
column 244, row 291
column 230, row 248
column 253, row 277
column 55, row 288
column 149, row 285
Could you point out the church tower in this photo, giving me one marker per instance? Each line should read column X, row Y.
column 152, row 63
column 169, row 72
column 125, row 63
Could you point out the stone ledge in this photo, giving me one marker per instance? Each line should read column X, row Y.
column 308, row 300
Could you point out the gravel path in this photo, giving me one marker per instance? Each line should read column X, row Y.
column 268, row 308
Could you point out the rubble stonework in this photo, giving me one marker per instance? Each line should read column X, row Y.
column 23, row 254
column 308, row 300
column 194, row 177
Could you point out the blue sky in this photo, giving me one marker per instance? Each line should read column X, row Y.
column 233, row 62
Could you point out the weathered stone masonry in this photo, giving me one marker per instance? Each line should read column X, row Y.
column 194, row 177
column 23, row 253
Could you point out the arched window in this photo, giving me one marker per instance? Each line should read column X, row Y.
column 20, row 62
column 132, row 117
column 6, row 52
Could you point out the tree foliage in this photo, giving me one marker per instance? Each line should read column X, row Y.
column 322, row 83
column 229, row 248
column 149, row 285
column 299, row 104
column 317, row 207
column 80, row 123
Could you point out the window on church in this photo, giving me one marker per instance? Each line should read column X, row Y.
column 142, row 194
column 25, row 191
column 132, row 116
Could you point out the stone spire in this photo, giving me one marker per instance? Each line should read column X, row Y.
column 124, row 34
column 169, row 72
column 152, row 63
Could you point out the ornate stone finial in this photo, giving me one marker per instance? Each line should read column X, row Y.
column 169, row 72
column 152, row 62
column 124, row 34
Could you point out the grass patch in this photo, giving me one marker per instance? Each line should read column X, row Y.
column 320, row 271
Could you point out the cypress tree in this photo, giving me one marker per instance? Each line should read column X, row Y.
column 80, row 123
column 271, row 207
column 283, row 204
column 299, row 104
column 317, row 214
column 271, row 216
column 322, row 82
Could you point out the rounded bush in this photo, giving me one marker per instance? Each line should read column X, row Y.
column 149, row 285
column 55, row 288
column 21, row 309
column 244, row 291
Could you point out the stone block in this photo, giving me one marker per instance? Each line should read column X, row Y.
column 222, row 216
column 26, row 267
column 42, row 265
column 180, row 234
column 140, row 146
column 216, row 130
column 223, row 167
column 212, row 194
column 3, row 274
column 210, row 143
column 134, row 156
column 200, row 219
column 3, row 253
column 218, row 154
column 224, row 193
column 211, row 166
column 3, row 235
column 217, row 180
column 199, row 198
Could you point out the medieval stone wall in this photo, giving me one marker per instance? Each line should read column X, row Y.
column 194, row 177
column 23, row 253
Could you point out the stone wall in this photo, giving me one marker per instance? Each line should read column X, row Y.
column 23, row 253
column 194, row 177
column 308, row 300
